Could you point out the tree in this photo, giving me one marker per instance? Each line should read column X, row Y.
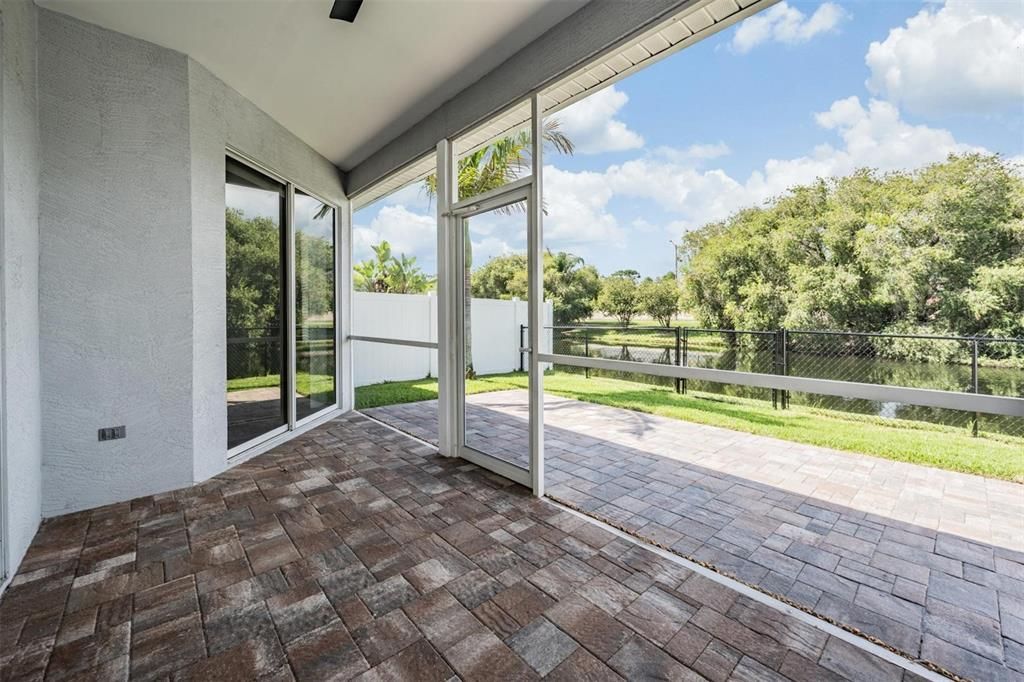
column 659, row 299
column 937, row 250
column 487, row 168
column 502, row 277
column 569, row 283
column 628, row 274
column 372, row 274
column 314, row 280
column 405, row 277
column 253, row 259
column 386, row 273
column 618, row 298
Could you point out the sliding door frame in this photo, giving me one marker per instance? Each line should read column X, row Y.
column 289, row 274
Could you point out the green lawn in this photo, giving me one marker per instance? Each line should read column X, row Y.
column 305, row 383
column 906, row 441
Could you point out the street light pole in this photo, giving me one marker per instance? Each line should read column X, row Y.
column 678, row 270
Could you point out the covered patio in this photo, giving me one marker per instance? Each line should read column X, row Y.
column 355, row 551
column 928, row 561
column 202, row 211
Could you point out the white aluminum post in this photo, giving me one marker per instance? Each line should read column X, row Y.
column 287, row 382
column 344, row 368
column 447, row 339
column 535, row 303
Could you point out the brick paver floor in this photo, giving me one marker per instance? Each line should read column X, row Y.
column 930, row 561
column 355, row 551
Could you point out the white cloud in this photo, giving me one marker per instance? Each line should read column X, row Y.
column 643, row 225
column 491, row 247
column 576, row 208
column 872, row 136
column 592, row 126
column 962, row 57
column 695, row 152
column 785, row 24
column 407, row 232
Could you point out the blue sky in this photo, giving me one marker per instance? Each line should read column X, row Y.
column 800, row 90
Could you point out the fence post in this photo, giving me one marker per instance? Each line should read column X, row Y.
column 522, row 344
column 686, row 344
column 974, row 384
column 776, row 366
column 785, row 366
column 586, row 351
column 679, row 356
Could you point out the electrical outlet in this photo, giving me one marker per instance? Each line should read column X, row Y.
column 112, row 433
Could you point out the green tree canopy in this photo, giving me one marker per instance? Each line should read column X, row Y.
column 940, row 250
column 502, row 277
column 253, row 257
column 659, row 298
column 619, row 297
column 314, row 285
column 569, row 283
column 387, row 273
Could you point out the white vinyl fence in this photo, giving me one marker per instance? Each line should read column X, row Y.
column 407, row 317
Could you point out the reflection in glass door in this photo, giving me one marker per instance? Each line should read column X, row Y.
column 494, row 416
column 314, row 305
column 256, row 338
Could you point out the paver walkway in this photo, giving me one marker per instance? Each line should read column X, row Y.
column 354, row 551
column 930, row 561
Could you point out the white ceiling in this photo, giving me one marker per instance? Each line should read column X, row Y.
column 344, row 89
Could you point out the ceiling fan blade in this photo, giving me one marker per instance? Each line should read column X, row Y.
column 346, row 10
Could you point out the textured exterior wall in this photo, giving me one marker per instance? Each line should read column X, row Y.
column 113, row 260
column 19, row 286
column 115, row 266
column 221, row 117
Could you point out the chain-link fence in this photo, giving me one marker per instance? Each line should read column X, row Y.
column 254, row 352
column 993, row 366
column 258, row 351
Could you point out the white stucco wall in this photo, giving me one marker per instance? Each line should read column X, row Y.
column 132, row 280
column 221, row 117
column 19, row 293
column 115, row 288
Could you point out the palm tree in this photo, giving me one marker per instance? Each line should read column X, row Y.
column 390, row 274
column 490, row 167
column 406, row 277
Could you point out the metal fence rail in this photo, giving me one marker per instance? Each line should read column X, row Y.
column 259, row 351
column 978, row 365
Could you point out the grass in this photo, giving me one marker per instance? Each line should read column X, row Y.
column 305, row 383
column 944, row 447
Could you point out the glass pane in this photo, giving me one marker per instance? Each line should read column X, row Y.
column 254, row 225
column 314, row 305
column 495, row 318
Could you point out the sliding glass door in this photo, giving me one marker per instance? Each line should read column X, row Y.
column 281, row 305
column 256, row 338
